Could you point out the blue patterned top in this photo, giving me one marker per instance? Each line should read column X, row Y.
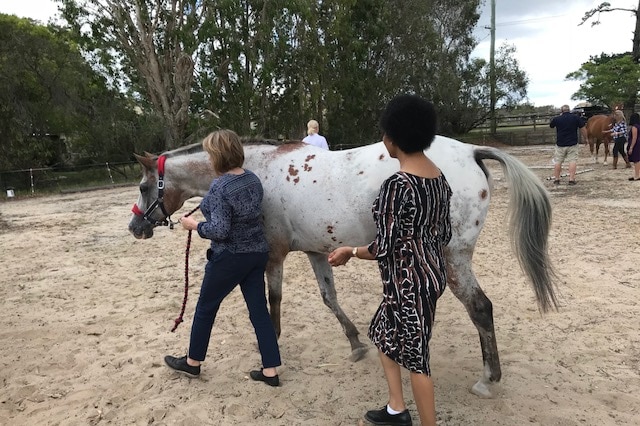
column 233, row 212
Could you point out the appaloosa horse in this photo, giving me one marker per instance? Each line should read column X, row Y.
column 596, row 135
column 316, row 200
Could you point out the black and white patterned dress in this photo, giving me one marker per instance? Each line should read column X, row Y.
column 413, row 227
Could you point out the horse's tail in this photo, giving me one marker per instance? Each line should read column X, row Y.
column 529, row 223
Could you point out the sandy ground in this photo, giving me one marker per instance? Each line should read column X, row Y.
column 87, row 312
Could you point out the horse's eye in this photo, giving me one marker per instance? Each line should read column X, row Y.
column 144, row 188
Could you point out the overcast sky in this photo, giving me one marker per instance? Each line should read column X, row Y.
column 549, row 42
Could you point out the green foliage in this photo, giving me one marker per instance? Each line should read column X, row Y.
column 147, row 48
column 267, row 67
column 596, row 91
column 54, row 107
column 471, row 108
column 607, row 79
column 131, row 75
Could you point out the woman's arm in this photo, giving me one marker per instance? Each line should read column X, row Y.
column 341, row 255
column 386, row 207
column 634, row 139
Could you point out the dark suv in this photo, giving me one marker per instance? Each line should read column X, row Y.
column 587, row 112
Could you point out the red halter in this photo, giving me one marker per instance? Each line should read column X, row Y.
column 159, row 202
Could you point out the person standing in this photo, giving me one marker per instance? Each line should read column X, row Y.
column 238, row 256
column 567, row 126
column 413, row 226
column 313, row 136
column 633, row 151
column 619, row 135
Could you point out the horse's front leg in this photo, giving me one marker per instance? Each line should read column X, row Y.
column 274, row 283
column 324, row 276
column 464, row 286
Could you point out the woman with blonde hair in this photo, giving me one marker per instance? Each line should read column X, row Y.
column 619, row 135
column 313, row 137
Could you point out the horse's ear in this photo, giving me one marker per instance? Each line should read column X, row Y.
column 147, row 161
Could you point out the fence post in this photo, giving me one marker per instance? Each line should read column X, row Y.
column 110, row 176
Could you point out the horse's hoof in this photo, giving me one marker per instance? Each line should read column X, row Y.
column 604, row 163
column 482, row 390
column 358, row 353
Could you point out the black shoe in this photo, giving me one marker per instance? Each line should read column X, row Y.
column 181, row 366
column 556, row 182
column 382, row 417
column 572, row 182
column 259, row 377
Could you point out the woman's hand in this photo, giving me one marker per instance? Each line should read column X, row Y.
column 340, row 256
column 188, row 223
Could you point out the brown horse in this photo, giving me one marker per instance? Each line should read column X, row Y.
column 596, row 134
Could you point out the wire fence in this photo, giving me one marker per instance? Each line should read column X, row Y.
column 36, row 181
column 46, row 180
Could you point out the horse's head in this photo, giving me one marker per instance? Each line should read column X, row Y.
column 157, row 200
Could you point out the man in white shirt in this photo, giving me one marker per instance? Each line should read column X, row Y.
column 313, row 137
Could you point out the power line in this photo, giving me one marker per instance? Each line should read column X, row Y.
column 525, row 21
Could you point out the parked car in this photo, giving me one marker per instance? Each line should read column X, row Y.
column 588, row 111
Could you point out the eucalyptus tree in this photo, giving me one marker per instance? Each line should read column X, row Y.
column 446, row 58
column 593, row 15
column 356, row 39
column 267, row 66
column 146, row 47
column 250, row 65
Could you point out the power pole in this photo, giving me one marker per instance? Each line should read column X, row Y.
column 492, row 69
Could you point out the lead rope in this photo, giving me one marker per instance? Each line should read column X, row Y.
column 186, row 276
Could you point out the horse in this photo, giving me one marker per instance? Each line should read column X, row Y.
column 595, row 135
column 317, row 200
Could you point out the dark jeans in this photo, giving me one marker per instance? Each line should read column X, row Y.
column 618, row 147
column 222, row 274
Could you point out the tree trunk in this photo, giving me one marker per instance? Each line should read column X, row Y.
column 630, row 104
column 636, row 37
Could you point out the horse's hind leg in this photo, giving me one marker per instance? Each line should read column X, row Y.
column 464, row 286
column 274, row 282
column 324, row 275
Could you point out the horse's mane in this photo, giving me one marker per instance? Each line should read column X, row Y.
column 185, row 150
column 246, row 141
column 255, row 140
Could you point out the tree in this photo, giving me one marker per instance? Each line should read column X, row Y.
column 629, row 103
column 47, row 92
column 148, row 47
column 472, row 103
column 607, row 80
column 265, row 67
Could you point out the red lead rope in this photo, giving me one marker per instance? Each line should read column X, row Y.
column 186, row 277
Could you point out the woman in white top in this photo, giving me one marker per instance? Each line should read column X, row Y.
column 313, row 138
